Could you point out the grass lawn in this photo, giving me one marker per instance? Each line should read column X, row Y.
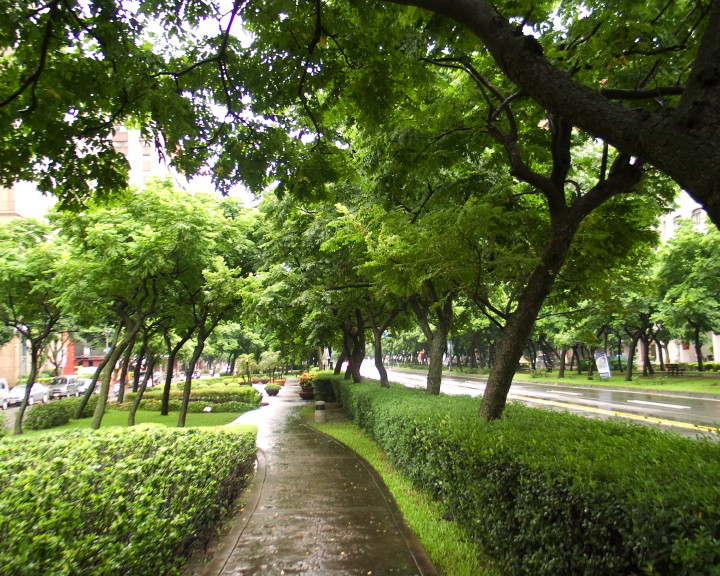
column 119, row 418
column 694, row 382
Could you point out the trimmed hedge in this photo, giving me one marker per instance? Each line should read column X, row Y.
column 57, row 413
column 326, row 386
column 246, row 394
column 548, row 493
column 130, row 502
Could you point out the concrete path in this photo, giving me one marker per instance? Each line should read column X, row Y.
column 315, row 508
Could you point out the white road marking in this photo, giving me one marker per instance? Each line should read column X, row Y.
column 676, row 406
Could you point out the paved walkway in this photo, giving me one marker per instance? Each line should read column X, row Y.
column 315, row 508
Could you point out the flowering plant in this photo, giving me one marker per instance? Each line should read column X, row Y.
column 306, row 379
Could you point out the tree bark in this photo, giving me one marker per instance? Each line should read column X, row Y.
column 442, row 306
column 684, row 143
column 35, row 351
column 141, row 390
column 698, row 348
column 631, row 355
column 114, row 355
column 172, row 354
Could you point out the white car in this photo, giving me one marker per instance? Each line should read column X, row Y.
column 4, row 393
column 38, row 393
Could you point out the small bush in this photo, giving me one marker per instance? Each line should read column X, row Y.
column 44, row 416
column 326, row 386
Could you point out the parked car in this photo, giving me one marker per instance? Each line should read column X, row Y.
column 64, row 386
column 84, row 384
column 4, row 393
column 38, row 393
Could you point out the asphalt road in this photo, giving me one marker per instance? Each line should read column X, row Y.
column 685, row 413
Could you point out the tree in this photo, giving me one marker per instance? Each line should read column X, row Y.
column 689, row 280
column 70, row 72
column 30, row 289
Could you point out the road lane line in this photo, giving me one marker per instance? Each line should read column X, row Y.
column 567, row 393
column 627, row 415
column 646, row 403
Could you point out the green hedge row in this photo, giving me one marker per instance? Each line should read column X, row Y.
column 246, row 394
column 549, row 493
column 108, row 502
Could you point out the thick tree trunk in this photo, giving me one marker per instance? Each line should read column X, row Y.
column 438, row 347
column 561, row 368
column 520, row 323
column 340, row 361
column 437, row 339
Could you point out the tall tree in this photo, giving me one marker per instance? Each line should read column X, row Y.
column 689, row 281
column 30, row 261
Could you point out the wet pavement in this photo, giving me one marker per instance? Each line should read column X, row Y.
column 315, row 509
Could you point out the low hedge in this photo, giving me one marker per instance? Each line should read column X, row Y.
column 548, row 493
column 131, row 502
column 57, row 413
column 326, row 385
column 246, row 394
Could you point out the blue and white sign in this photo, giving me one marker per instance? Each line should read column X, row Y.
column 602, row 364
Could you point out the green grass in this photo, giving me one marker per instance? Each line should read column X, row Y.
column 448, row 546
column 699, row 384
column 119, row 418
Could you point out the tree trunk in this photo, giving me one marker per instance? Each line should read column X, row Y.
column 340, row 361
column 384, row 383
column 114, row 355
column 141, row 390
column 698, row 349
column 35, row 348
column 197, row 352
column 172, row 354
column 631, row 355
column 437, row 339
column 96, row 377
column 124, row 370
column 561, row 368
column 520, row 323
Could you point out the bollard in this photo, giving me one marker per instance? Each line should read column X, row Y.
column 320, row 415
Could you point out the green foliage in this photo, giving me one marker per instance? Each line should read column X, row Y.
column 111, row 502
column 44, row 416
column 57, row 413
column 245, row 394
column 549, row 493
column 326, row 386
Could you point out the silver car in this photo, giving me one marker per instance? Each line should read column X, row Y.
column 38, row 393
column 64, row 386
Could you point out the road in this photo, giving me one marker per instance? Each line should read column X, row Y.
column 685, row 413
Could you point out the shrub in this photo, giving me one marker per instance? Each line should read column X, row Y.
column 99, row 502
column 549, row 493
column 44, row 416
column 326, row 386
